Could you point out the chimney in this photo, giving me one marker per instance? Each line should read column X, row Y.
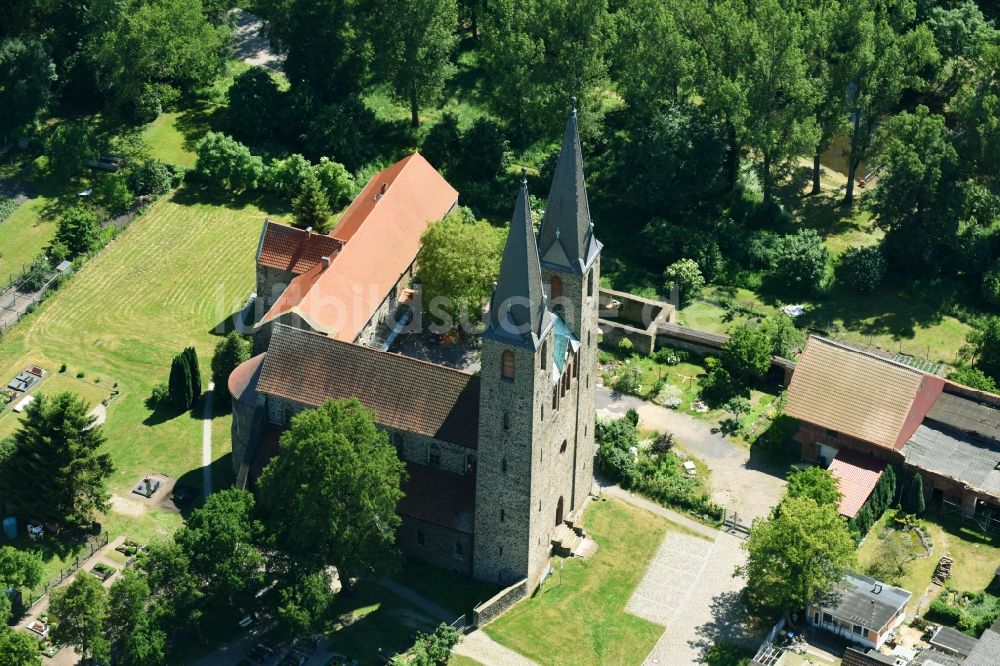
column 326, row 262
column 309, row 232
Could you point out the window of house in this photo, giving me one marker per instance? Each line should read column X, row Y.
column 590, row 283
column 545, row 355
column 506, row 420
column 539, row 509
column 420, row 537
column 555, row 398
column 827, row 618
column 503, row 515
column 434, row 455
column 458, row 548
column 541, row 413
column 590, row 338
column 507, row 364
column 858, row 629
column 815, row 618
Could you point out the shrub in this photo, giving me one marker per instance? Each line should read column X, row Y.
column 761, row 249
column 619, row 433
column 625, row 345
column 686, row 274
column 746, row 355
column 78, row 230
column 990, row 284
column 336, row 180
column 443, row 143
column 717, row 386
column 940, row 611
column 800, row 262
column 662, row 444
column 616, row 464
column 114, row 194
column 342, row 131
column 227, row 163
column 629, row 381
column 632, row 416
column 785, row 337
column 7, row 207
column 62, row 368
column 80, row 374
column 286, row 177
column 484, row 151
column 36, row 274
column 862, row 268
column 973, row 378
column 150, row 177
column 668, row 356
column 255, row 108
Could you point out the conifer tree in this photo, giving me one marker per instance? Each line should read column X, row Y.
column 312, row 208
column 192, row 360
column 915, row 499
column 179, row 383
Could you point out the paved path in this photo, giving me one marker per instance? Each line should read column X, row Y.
column 206, row 442
column 100, row 414
column 740, row 481
column 252, row 46
column 488, row 652
column 689, row 588
column 432, row 608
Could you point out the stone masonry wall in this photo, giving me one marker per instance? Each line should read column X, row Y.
column 491, row 609
column 421, row 449
column 440, row 545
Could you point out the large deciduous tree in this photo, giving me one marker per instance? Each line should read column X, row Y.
column 329, row 496
column 982, row 347
column 133, row 632
column 815, row 483
column 458, row 262
column 160, row 48
column 81, row 609
column 27, row 74
column 796, row 555
column 220, row 540
column 18, row 648
column 918, row 200
column 18, row 569
column 414, row 49
column 57, row 469
column 326, row 42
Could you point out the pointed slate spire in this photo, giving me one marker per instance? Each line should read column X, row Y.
column 567, row 235
column 518, row 313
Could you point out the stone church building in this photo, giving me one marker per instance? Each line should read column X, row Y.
column 500, row 462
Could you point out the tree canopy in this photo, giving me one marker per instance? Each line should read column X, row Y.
column 815, row 483
column 796, row 555
column 82, row 609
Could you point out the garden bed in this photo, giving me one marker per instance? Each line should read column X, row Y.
column 103, row 571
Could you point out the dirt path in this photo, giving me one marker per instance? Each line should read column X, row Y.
column 206, row 441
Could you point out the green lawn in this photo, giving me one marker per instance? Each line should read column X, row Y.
column 458, row 593
column 164, row 284
column 579, row 617
column 23, row 236
column 976, row 555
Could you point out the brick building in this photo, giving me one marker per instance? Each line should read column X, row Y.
column 499, row 463
column 860, row 412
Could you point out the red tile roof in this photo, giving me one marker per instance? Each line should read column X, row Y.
column 411, row 395
column 853, row 392
column 294, row 250
column 243, row 380
column 856, row 475
column 382, row 234
column 439, row 498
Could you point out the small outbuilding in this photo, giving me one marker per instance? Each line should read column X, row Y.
column 860, row 609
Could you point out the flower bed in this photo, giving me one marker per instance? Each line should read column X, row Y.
column 103, row 571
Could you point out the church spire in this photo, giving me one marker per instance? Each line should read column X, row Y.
column 518, row 313
column 567, row 235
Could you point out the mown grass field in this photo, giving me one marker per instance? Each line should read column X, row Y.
column 22, row 236
column 164, row 284
column 588, row 603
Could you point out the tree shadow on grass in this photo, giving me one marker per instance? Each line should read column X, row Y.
column 196, row 120
column 193, row 194
column 163, row 413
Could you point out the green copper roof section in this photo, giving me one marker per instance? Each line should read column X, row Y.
column 567, row 235
column 518, row 313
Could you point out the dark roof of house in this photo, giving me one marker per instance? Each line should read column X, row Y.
column 969, row 459
column 439, row 498
column 856, row 475
column 932, row 657
column 406, row 394
column 966, row 415
column 566, row 236
column 987, row 651
column 243, row 380
column 864, row 601
column 953, row 641
column 851, row 391
column 518, row 312
column 293, row 250
column 855, row 657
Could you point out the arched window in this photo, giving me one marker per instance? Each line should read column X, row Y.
column 544, row 355
column 506, row 420
column 555, row 288
column 503, row 515
column 562, row 449
column 590, row 283
column 507, row 364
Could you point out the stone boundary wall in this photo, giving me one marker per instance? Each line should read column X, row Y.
column 623, row 315
column 492, row 608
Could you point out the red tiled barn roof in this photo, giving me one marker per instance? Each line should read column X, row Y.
column 294, row 250
column 856, row 476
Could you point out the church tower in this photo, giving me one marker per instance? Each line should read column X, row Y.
column 571, row 267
